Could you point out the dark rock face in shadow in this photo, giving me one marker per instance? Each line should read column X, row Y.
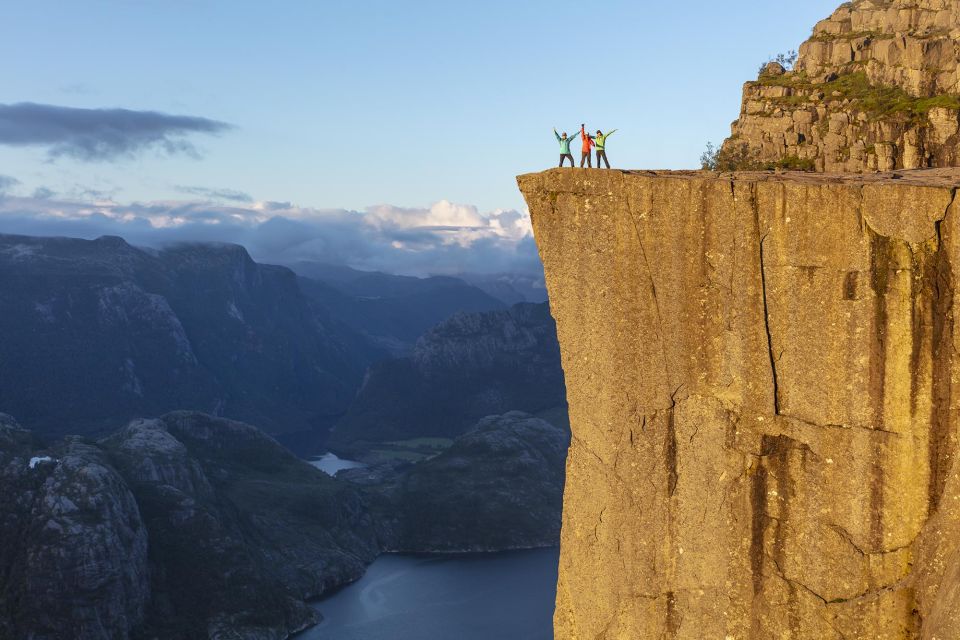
column 471, row 366
column 187, row 526
column 73, row 545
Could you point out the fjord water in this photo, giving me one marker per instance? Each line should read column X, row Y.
column 507, row 596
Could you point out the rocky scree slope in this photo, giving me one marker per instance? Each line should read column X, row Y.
column 762, row 379
column 876, row 87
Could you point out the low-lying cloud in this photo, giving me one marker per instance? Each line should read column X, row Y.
column 445, row 238
column 216, row 194
column 100, row 134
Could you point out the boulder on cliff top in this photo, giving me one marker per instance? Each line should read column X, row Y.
column 773, row 69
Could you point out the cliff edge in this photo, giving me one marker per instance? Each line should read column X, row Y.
column 760, row 375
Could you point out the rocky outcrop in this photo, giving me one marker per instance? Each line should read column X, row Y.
column 184, row 527
column 73, row 545
column 242, row 532
column 876, row 87
column 762, row 381
column 471, row 366
column 904, row 43
column 500, row 486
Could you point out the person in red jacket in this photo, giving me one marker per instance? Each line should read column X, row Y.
column 587, row 145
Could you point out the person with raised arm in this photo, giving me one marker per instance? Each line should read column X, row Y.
column 601, row 142
column 587, row 146
column 564, row 147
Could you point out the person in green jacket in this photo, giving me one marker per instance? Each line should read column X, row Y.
column 601, row 141
column 564, row 147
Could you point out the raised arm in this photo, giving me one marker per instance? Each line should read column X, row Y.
column 557, row 135
column 610, row 133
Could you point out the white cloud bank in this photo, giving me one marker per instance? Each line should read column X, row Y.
column 445, row 238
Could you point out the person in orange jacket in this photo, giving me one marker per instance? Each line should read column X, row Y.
column 587, row 146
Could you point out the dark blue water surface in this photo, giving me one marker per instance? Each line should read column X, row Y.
column 494, row 596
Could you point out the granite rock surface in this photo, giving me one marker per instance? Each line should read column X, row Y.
column 762, row 391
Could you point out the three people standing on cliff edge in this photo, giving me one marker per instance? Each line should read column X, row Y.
column 599, row 141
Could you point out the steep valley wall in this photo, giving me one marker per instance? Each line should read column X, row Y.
column 763, row 397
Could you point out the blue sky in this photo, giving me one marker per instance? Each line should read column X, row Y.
column 347, row 104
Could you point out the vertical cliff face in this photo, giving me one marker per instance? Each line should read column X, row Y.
column 760, row 372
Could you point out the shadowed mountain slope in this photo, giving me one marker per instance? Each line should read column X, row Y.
column 471, row 366
column 98, row 332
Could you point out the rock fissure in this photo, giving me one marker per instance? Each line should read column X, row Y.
column 946, row 213
column 942, row 441
column 662, row 336
column 596, row 536
column 846, row 535
column 768, row 331
column 779, row 573
column 582, row 446
column 872, row 593
column 762, row 237
column 845, row 427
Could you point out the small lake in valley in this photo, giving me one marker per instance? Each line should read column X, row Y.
column 489, row 596
column 329, row 463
